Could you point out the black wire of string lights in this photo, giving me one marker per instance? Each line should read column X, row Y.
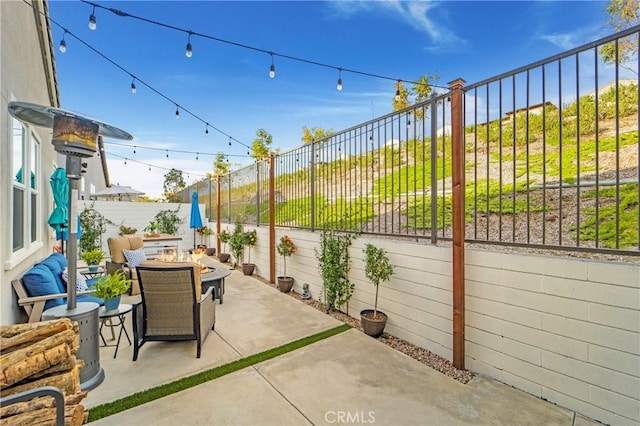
column 271, row 53
column 155, row 166
column 63, row 49
column 177, row 151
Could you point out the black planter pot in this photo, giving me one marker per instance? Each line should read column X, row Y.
column 248, row 268
column 373, row 327
column 285, row 284
column 224, row 257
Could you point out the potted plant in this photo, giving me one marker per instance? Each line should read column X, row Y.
column 377, row 269
column 251, row 239
column 237, row 241
column 93, row 258
column 152, row 229
column 110, row 288
column 224, row 238
column 334, row 264
column 205, row 232
column 285, row 249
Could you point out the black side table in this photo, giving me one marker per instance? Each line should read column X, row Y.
column 107, row 319
column 87, row 273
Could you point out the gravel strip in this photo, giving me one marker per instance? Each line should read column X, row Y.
column 422, row 355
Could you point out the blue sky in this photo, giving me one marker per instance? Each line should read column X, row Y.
column 229, row 87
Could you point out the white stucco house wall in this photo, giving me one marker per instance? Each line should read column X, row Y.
column 28, row 74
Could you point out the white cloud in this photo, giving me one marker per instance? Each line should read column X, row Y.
column 418, row 14
column 569, row 40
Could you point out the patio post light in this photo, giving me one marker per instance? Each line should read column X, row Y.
column 76, row 137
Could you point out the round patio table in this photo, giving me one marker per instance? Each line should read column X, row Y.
column 215, row 278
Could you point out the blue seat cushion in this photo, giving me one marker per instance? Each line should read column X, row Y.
column 39, row 281
column 55, row 263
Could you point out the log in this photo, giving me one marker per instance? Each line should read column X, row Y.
column 65, row 365
column 68, row 383
column 39, row 403
column 73, row 415
column 32, row 334
column 9, row 331
column 8, row 360
column 29, row 366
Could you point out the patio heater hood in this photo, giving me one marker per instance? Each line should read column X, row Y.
column 75, row 136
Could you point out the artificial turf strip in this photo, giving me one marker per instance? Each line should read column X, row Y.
column 152, row 394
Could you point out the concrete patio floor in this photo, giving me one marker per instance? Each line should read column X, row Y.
column 347, row 378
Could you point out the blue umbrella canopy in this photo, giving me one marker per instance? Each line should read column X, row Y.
column 59, row 218
column 195, row 220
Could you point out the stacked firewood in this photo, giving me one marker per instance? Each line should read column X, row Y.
column 41, row 354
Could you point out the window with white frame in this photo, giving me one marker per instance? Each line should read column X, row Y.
column 26, row 195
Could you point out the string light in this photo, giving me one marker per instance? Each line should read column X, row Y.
column 339, row 85
column 408, row 120
column 229, row 140
column 398, row 91
column 272, row 70
column 92, row 20
column 121, row 14
column 63, row 48
column 167, row 153
column 134, row 149
column 125, row 161
column 63, row 43
column 133, row 86
column 206, row 129
column 197, row 154
column 189, row 51
column 177, row 112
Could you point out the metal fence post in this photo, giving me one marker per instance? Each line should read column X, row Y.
column 434, row 172
column 312, row 184
column 258, row 192
column 218, row 208
column 272, row 220
column 457, row 159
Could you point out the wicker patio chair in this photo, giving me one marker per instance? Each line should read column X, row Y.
column 172, row 306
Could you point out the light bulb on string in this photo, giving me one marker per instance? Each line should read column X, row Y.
column 398, row 91
column 339, row 85
column 125, row 161
column 149, row 168
column 197, row 154
column 229, row 140
column 189, row 51
column 408, row 121
column 134, row 149
column 206, row 129
column 272, row 70
column 92, row 20
column 177, row 112
column 63, row 43
column 167, row 153
column 133, row 86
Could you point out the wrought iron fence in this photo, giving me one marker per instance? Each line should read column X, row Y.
column 551, row 160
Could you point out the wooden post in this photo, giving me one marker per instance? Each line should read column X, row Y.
column 457, row 158
column 218, row 214
column 272, row 220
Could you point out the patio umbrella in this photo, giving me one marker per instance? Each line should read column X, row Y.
column 118, row 192
column 59, row 218
column 195, row 221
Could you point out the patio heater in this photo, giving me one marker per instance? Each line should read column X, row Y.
column 76, row 137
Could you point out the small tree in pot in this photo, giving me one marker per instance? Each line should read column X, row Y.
column 377, row 269
column 237, row 242
column 250, row 239
column 285, row 249
column 224, row 238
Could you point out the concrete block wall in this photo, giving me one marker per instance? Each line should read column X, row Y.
column 562, row 329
